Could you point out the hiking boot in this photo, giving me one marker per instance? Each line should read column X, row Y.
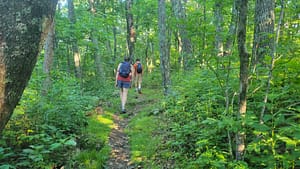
column 139, row 90
column 123, row 111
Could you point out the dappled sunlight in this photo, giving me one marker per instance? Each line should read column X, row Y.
column 137, row 156
column 106, row 121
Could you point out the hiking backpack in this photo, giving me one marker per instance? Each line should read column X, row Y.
column 139, row 68
column 124, row 70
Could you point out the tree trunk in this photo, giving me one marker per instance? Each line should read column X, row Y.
column 163, row 45
column 184, row 44
column 20, row 41
column 96, row 50
column 130, row 29
column 48, row 58
column 115, row 43
column 204, row 32
column 263, row 32
column 76, row 54
column 218, row 25
column 272, row 63
column 244, row 62
column 232, row 30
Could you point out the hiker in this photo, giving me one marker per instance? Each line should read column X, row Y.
column 124, row 76
column 138, row 73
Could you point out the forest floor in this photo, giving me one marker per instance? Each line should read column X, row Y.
column 118, row 141
column 120, row 157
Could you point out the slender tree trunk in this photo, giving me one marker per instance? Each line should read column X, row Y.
column 48, row 58
column 20, row 41
column 204, row 31
column 184, row 46
column 244, row 62
column 96, row 50
column 219, row 30
column 75, row 50
column 130, row 29
column 232, row 30
column 263, row 32
column 163, row 45
column 115, row 43
column 272, row 63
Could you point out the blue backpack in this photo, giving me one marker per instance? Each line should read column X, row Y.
column 124, row 70
column 139, row 68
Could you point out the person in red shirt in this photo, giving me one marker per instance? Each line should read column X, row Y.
column 138, row 74
column 123, row 80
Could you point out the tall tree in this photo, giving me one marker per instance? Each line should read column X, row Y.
column 75, row 49
column 244, row 62
column 48, row 58
column 131, row 36
column 163, row 47
column 185, row 47
column 263, row 31
column 97, row 56
column 20, row 41
column 232, row 30
column 272, row 51
column 218, row 24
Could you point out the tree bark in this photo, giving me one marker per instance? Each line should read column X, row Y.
column 163, row 47
column 204, row 44
column 232, row 30
column 244, row 62
column 272, row 63
column 96, row 50
column 263, row 32
column 75, row 50
column 24, row 25
column 130, row 29
column 48, row 58
column 218, row 24
column 184, row 45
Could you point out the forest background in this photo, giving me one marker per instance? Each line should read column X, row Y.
column 228, row 71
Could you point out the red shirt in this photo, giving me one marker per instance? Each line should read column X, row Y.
column 127, row 79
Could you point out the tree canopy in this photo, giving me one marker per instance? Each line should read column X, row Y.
column 221, row 82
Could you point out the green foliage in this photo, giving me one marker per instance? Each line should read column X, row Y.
column 93, row 142
column 201, row 132
column 44, row 129
column 142, row 141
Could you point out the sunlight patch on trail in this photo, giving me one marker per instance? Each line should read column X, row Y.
column 106, row 121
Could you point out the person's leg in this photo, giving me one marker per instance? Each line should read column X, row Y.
column 136, row 82
column 123, row 94
column 124, row 98
column 139, row 82
column 121, row 97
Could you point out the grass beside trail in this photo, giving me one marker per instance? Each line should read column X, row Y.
column 142, row 141
column 97, row 150
column 141, row 129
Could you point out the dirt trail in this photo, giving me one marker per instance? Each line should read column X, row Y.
column 119, row 142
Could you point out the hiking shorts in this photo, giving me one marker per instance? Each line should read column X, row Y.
column 123, row 84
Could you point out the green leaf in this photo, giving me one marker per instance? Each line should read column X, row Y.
column 55, row 146
column 288, row 141
column 71, row 142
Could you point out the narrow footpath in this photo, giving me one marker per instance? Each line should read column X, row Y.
column 119, row 141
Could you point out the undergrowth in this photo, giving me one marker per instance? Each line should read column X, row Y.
column 49, row 131
column 142, row 128
column 200, row 130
